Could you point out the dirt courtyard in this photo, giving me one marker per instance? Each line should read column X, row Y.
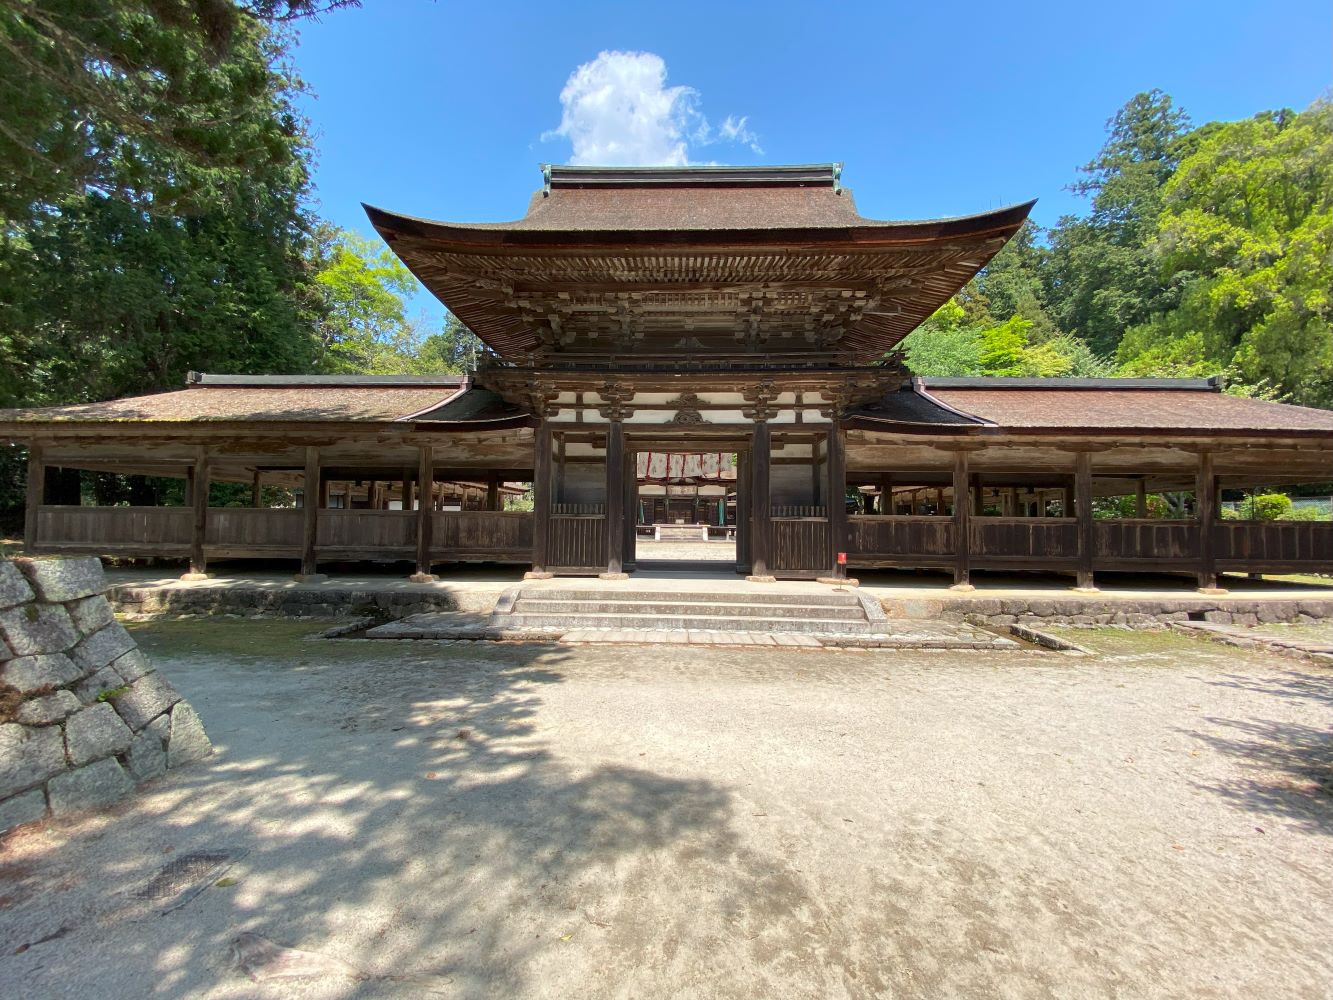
column 477, row 820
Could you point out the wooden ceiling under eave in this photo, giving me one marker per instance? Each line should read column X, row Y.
column 840, row 293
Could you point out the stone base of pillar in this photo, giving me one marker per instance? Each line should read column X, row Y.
column 196, row 576
column 538, row 575
column 1086, row 590
column 613, row 576
column 838, row 581
column 311, row 577
column 423, row 578
column 962, row 588
column 761, row 579
column 1212, row 591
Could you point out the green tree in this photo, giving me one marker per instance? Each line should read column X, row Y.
column 105, row 291
column 454, row 349
column 1104, row 276
column 1011, row 285
column 1247, row 227
column 155, row 102
column 946, row 345
column 362, row 325
column 1004, row 348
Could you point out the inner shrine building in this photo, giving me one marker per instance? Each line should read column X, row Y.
column 706, row 347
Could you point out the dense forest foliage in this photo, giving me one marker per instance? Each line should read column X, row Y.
column 1205, row 250
column 155, row 208
column 156, row 216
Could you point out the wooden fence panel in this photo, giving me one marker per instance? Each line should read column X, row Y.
column 1022, row 541
column 577, row 543
column 261, row 530
column 899, row 540
column 1144, row 543
column 1274, row 546
column 144, row 531
column 502, row 536
column 366, row 533
column 800, row 546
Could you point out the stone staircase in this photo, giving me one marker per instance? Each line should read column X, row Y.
column 830, row 612
column 680, row 533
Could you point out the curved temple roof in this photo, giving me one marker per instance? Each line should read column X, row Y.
column 1064, row 406
column 708, row 262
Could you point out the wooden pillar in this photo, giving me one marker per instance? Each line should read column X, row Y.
column 36, row 493
column 939, row 502
column 978, row 497
column 312, row 491
column 962, row 565
column 256, row 494
column 493, row 493
column 1205, row 493
column 836, row 453
column 1067, row 500
column 425, row 473
column 816, row 487
column 743, row 510
column 559, row 469
column 541, row 498
column 198, row 482
column 1083, row 511
column 760, row 507
column 886, row 493
column 615, row 500
column 630, row 479
column 1141, row 498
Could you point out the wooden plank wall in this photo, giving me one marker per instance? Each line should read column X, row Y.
column 502, row 535
column 577, row 542
column 1274, row 545
column 1022, row 539
column 1141, row 542
column 874, row 539
column 150, row 530
column 254, row 528
column 800, row 545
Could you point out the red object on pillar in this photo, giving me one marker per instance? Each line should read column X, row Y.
column 842, row 558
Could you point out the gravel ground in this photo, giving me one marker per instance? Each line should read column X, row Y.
column 524, row 821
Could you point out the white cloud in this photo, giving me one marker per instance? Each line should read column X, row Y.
column 618, row 111
column 735, row 129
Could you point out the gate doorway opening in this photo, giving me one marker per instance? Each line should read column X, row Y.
column 685, row 510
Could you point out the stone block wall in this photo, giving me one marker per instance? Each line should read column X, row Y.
column 139, row 602
column 84, row 717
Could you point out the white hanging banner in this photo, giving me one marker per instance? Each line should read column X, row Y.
column 660, row 465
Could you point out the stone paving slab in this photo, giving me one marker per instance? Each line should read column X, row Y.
column 691, row 637
column 895, row 635
column 1315, row 647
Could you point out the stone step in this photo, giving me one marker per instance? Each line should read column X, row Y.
column 831, row 598
column 700, row 622
column 634, row 606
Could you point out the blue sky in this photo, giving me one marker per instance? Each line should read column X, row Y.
column 444, row 110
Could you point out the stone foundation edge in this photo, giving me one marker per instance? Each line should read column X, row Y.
column 84, row 715
column 1090, row 611
column 134, row 602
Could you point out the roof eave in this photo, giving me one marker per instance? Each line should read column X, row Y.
column 392, row 226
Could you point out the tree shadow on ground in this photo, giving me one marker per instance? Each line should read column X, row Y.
column 1290, row 768
column 1304, row 684
column 411, row 809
